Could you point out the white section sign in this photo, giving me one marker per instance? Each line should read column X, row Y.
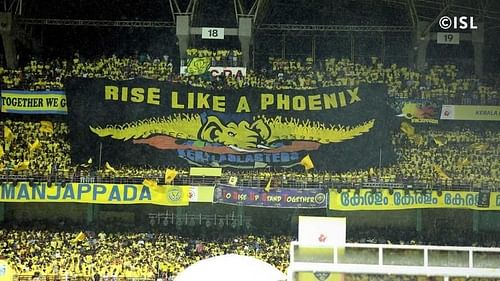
column 322, row 230
column 193, row 194
column 448, row 112
column 212, row 33
column 218, row 70
column 448, row 38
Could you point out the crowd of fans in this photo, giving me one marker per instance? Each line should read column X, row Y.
column 52, row 155
column 441, row 83
column 50, row 75
column 66, row 251
column 126, row 254
column 466, row 157
column 219, row 57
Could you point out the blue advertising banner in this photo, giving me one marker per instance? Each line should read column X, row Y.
column 276, row 198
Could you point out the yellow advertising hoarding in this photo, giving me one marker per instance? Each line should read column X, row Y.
column 96, row 193
column 34, row 102
column 471, row 112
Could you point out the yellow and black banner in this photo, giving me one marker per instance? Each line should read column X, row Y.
column 145, row 122
column 34, row 102
column 96, row 193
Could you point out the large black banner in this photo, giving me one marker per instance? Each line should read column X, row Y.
column 152, row 123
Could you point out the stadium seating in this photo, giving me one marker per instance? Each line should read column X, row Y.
column 57, row 251
column 459, row 157
column 440, row 83
column 60, row 253
column 451, row 157
column 461, row 154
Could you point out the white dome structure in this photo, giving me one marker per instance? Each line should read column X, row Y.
column 229, row 268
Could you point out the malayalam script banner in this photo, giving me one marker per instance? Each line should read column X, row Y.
column 34, row 102
column 95, row 193
column 276, row 198
column 366, row 200
column 146, row 122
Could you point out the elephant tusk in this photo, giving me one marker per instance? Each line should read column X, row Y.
column 263, row 146
column 244, row 150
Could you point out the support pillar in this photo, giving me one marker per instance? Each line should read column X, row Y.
column 180, row 214
column 90, row 214
column 418, row 213
column 478, row 44
column 421, row 43
column 241, row 214
column 95, row 213
column 245, row 34
column 8, row 39
column 183, row 32
column 475, row 221
column 2, row 212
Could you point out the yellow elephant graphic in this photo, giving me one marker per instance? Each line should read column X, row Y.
column 242, row 135
column 260, row 134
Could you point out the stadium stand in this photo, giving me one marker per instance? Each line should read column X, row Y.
column 126, row 244
column 441, row 83
column 403, row 83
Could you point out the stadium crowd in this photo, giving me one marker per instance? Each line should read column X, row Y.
column 219, row 57
column 452, row 156
column 440, row 83
column 140, row 255
column 458, row 157
column 65, row 251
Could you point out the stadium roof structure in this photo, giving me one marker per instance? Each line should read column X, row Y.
column 267, row 14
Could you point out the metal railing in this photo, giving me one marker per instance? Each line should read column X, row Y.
column 394, row 259
column 255, row 180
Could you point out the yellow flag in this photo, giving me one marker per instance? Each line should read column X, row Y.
column 479, row 146
column 418, row 139
column 233, row 180
column 34, row 146
column 170, row 175
column 268, row 185
column 7, row 134
column 2, row 153
column 307, row 162
column 440, row 172
column 372, row 172
column 462, row 163
column 407, row 128
column 89, row 163
column 80, row 237
column 22, row 166
column 198, row 66
column 46, row 127
column 108, row 168
column 440, row 141
column 150, row 183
